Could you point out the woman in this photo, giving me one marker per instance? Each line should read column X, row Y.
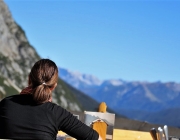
column 32, row 116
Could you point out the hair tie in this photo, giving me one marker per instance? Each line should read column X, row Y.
column 44, row 83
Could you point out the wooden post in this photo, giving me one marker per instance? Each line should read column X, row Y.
column 99, row 125
column 102, row 107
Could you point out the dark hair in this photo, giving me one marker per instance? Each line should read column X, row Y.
column 42, row 79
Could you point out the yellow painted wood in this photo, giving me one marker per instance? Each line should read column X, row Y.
column 101, row 128
column 70, row 138
column 119, row 134
column 102, row 107
column 61, row 133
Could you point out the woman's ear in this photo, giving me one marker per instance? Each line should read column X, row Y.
column 53, row 87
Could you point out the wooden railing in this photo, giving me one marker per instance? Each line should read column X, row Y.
column 120, row 134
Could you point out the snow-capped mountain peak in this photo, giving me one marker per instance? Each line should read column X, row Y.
column 114, row 82
column 77, row 79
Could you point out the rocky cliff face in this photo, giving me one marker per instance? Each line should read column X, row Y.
column 17, row 57
column 16, row 54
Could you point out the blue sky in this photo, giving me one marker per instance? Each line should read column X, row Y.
column 129, row 40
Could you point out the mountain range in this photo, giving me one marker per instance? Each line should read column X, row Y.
column 146, row 101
